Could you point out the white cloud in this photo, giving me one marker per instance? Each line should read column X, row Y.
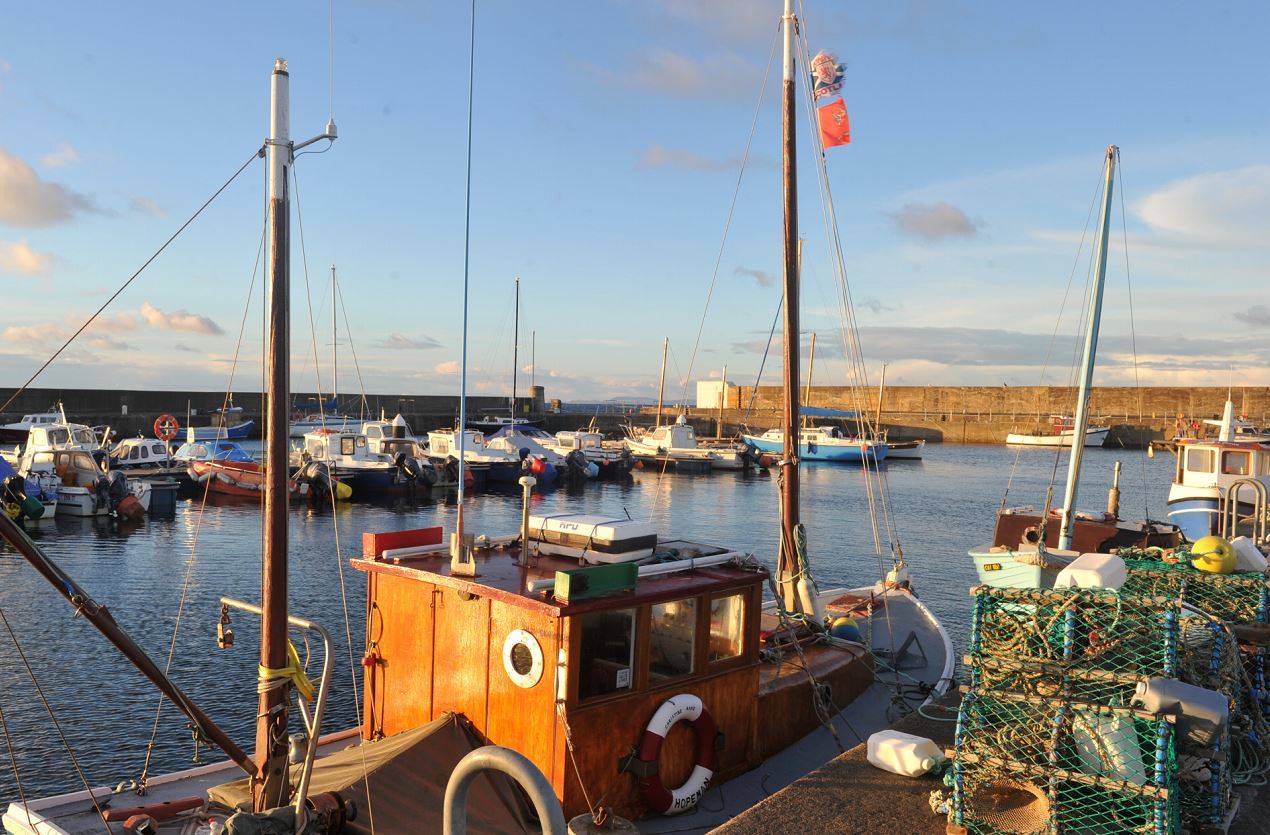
column 447, row 367
column 109, row 343
column 40, row 332
column 179, row 320
column 1224, row 207
column 64, row 155
column 146, row 206
column 26, row 200
column 18, row 257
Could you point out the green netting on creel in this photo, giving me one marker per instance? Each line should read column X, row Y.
column 1041, row 634
column 1047, row 765
column 1241, row 597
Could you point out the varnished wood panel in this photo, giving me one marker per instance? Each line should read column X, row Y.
column 398, row 687
column 785, row 710
column 460, row 642
column 520, row 718
column 605, row 731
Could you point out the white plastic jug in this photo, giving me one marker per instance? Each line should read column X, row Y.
column 1247, row 555
column 901, row 753
column 1093, row 571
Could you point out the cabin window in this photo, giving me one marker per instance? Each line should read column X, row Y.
column 58, row 437
column 566, row 442
column 361, row 442
column 145, row 453
column 727, row 626
column 1200, row 460
column 608, row 653
column 346, row 446
column 1235, row 463
column 672, row 638
column 440, row 447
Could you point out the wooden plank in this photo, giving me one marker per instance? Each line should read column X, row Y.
column 460, row 643
column 398, row 685
column 374, row 544
column 523, row 718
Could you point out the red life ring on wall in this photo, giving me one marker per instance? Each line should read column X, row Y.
column 666, row 801
column 166, row 427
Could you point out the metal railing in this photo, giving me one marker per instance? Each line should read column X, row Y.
column 1230, row 510
column 514, row 765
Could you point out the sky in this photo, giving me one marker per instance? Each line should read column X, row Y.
column 608, row 142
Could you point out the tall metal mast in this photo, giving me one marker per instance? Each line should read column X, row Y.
column 515, row 347
column 1094, row 317
column 661, row 386
column 335, row 351
column 269, row 789
column 787, row 567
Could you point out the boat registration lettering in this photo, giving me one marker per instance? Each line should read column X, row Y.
column 992, row 566
column 623, row 678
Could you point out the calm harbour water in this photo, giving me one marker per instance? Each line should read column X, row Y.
column 942, row 506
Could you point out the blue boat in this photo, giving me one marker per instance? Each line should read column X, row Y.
column 822, row 443
column 226, row 423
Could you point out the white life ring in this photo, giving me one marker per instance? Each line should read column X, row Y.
column 667, row 801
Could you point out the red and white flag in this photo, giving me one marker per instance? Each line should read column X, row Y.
column 835, row 128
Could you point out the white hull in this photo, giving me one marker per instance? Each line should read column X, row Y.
column 78, row 501
column 1093, row 437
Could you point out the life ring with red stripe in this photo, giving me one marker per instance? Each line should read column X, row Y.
column 665, row 801
column 166, row 427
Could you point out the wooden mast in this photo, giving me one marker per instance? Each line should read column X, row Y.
column 661, row 386
column 787, row 567
column 1094, row 318
column 269, row 788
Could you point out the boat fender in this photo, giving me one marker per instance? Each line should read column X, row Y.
column 665, row 801
column 130, row 508
column 166, row 427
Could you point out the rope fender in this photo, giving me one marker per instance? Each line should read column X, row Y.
column 665, row 801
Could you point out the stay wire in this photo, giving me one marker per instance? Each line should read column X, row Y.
column 53, row 718
column 308, row 297
column 1133, row 334
column 736, row 193
column 259, row 153
column 352, row 348
column 198, row 523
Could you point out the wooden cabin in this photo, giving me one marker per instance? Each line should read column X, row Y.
column 525, row 666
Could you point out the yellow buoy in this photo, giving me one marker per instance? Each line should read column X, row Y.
column 1214, row 555
column 342, row 491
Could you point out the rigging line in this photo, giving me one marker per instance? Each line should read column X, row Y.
column 198, row 524
column 352, row 663
column 308, row 296
column 467, row 261
column 330, row 59
column 53, row 717
column 1133, row 334
column 852, row 351
column 17, row 775
column 736, row 192
column 749, row 409
column 258, row 153
column 1058, row 323
column 361, row 385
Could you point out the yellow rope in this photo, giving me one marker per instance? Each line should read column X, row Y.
column 274, row 677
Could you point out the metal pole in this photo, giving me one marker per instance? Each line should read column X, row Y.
column 515, row 347
column 527, row 483
column 335, row 351
column 269, row 788
column 1087, row 366
column 811, row 365
column 787, row 567
column 457, row 552
column 877, row 427
column 723, row 399
column 661, row 386
column 515, row 765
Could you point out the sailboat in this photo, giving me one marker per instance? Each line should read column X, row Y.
column 315, row 416
column 1029, row 548
column 492, row 423
column 583, row 640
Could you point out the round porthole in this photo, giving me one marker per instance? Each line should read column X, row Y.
column 522, row 658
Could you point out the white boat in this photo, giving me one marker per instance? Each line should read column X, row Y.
column 612, row 458
column 905, row 450
column 494, row 464
column 1213, row 473
column 1062, row 434
column 677, row 445
column 145, row 457
column 823, row 443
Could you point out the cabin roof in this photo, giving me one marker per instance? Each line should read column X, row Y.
column 500, row 578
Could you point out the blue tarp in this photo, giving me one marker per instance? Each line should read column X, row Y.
column 5, row 470
column 816, row 411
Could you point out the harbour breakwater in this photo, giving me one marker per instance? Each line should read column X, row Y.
column 953, row 414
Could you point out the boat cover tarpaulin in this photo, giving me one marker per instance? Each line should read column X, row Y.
column 820, row 411
column 399, row 782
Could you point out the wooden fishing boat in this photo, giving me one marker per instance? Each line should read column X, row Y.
column 1062, row 433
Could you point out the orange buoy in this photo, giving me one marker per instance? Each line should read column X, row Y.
column 166, row 427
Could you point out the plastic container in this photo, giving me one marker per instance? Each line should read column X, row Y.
column 1248, row 556
column 1202, row 714
column 1092, row 571
column 901, row 753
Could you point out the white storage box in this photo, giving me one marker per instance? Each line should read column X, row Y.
column 1092, row 571
column 596, row 539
